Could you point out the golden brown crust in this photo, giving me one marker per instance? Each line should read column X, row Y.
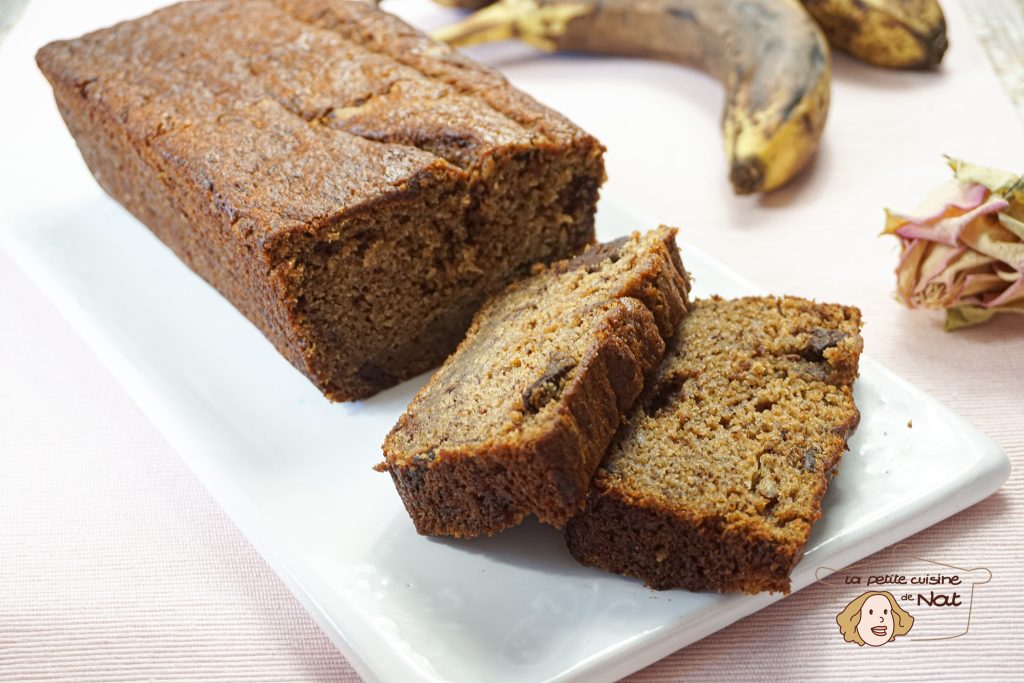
column 718, row 477
column 646, row 540
column 356, row 205
column 460, row 482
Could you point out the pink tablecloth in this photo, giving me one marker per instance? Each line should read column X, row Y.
column 115, row 564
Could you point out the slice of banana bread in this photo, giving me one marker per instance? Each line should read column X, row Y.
column 351, row 186
column 715, row 481
column 517, row 420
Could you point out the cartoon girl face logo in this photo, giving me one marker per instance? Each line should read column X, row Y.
column 874, row 619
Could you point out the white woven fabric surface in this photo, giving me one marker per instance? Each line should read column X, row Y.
column 115, row 564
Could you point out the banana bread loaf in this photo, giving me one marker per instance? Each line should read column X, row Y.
column 352, row 187
column 516, row 420
column 719, row 474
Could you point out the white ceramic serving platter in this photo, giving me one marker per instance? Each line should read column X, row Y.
column 294, row 472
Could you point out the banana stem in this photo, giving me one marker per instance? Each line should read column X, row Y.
column 526, row 20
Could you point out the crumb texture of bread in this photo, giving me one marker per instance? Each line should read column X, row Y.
column 351, row 186
column 718, row 475
column 516, row 421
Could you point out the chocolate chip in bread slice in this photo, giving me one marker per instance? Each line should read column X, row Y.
column 718, row 476
column 516, row 421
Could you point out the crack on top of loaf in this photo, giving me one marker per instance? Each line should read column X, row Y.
column 327, row 19
column 348, row 109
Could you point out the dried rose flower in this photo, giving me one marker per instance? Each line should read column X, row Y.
column 963, row 249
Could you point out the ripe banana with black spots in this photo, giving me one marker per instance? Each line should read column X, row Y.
column 769, row 54
column 899, row 34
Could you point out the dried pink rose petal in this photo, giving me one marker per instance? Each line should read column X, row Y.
column 963, row 249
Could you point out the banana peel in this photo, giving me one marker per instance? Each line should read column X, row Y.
column 896, row 34
column 771, row 57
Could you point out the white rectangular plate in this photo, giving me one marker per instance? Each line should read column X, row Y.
column 294, row 472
